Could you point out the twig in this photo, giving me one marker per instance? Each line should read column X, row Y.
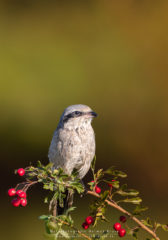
column 116, row 206
column 28, row 184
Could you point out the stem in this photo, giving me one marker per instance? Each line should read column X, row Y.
column 28, row 184
column 116, row 206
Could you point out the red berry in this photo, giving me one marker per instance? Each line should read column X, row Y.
column 110, row 185
column 85, row 225
column 11, row 192
column 18, row 192
column 97, row 189
column 21, row 171
column 122, row 232
column 89, row 220
column 16, row 202
column 23, row 202
column 123, row 219
column 22, row 194
column 117, row 226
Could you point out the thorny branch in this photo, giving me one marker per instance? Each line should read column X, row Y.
column 116, row 206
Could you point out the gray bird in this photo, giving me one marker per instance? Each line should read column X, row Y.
column 73, row 143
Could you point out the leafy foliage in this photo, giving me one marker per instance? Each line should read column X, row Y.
column 56, row 182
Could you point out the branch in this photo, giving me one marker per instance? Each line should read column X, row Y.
column 116, row 206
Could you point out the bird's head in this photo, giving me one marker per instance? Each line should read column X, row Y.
column 76, row 115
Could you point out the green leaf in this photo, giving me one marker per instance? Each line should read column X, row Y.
column 52, row 225
column 44, row 217
column 46, row 186
column 104, row 195
column 128, row 192
column 31, row 169
column 99, row 174
column 61, row 197
column 165, row 227
column 39, row 164
column 55, row 172
column 46, row 200
column 136, row 200
column 110, row 170
column 139, row 209
column 47, row 228
column 115, row 173
column 74, row 173
column 60, row 171
column 115, row 183
column 147, row 222
column 119, row 174
column 51, row 186
column 77, row 186
column 70, row 210
column 49, row 166
column 61, row 188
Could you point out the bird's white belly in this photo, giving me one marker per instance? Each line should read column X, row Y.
column 76, row 151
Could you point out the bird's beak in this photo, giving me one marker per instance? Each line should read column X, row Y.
column 93, row 114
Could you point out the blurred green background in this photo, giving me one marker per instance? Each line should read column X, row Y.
column 110, row 55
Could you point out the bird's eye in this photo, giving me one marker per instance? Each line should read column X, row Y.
column 77, row 113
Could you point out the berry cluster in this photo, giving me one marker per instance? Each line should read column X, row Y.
column 117, row 227
column 97, row 189
column 88, row 221
column 20, row 194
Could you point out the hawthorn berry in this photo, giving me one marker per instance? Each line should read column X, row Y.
column 21, row 171
column 89, row 220
column 123, row 219
column 23, row 202
column 12, row 192
column 16, row 202
column 97, row 189
column 110, row 185
column 22, row 194
column 122, row 232
column 117, row 226
column 85, row 225
column 18, row 192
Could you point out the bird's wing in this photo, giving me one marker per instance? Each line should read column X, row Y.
column 55, row 149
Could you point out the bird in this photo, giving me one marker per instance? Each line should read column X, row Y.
column 73, row 144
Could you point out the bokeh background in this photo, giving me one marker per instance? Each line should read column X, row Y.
column 110, row 55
